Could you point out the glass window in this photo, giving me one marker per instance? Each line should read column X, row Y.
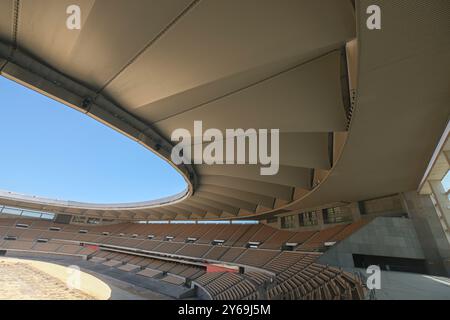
column 8, row 210
column 93, row 221
column 288, row 222
column 308, row 219
column 47, row 216
column 244, row 222
column 183, row 222
column 335, row 215
column 26, row 213
column 215, row 222
column 446, row 184
column 31, row 214
column 78, row 219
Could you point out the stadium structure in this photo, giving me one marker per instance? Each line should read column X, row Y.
column 359, row 91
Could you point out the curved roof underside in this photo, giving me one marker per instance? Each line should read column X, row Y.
column 149, row 67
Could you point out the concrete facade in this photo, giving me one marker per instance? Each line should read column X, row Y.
column 384, row 236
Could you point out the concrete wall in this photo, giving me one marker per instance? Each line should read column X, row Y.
column 384, row 236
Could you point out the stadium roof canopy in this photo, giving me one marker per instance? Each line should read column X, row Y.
column 358, row 118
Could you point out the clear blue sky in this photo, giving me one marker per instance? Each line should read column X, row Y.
column 446, row 181
column 48, row 149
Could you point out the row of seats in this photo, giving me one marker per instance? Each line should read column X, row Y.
column 317, row 282
column 231, row 235
column 185, row 271
column 52, row 246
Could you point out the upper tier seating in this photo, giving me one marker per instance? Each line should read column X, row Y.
column 233, row 235
column 277, row 239
column 318, row 240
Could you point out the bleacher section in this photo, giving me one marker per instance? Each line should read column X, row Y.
column 180, row 254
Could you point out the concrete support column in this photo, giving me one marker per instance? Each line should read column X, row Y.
column 319, row 215
column 354, row 211
column 431, row 235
